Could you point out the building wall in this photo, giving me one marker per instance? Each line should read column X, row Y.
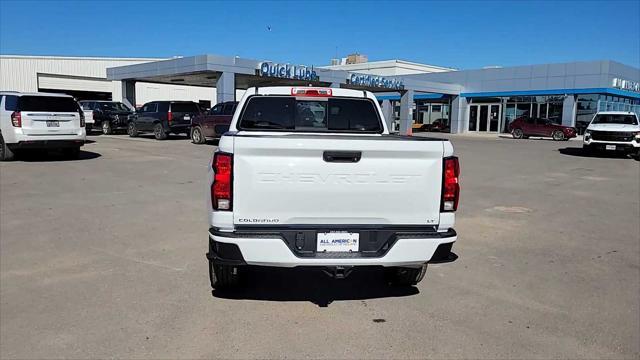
column 22, row 73
column 575, row 75
column 390, row 68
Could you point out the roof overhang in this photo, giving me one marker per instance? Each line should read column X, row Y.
column 205, row 70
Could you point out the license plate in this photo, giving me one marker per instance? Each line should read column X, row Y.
column 610, row 147
column 187, row 117
column 338, row 241
column 53, row 123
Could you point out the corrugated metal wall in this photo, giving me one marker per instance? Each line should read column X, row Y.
column 21, row 73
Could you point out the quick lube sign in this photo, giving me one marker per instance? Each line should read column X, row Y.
column 287, row 71
column 376, row 81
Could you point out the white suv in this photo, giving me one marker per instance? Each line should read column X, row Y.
column 40, row 121
column 615, row 131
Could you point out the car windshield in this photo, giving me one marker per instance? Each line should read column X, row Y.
column 47, row 103
column 113, row 106
column 615, row 119
column 288, row 113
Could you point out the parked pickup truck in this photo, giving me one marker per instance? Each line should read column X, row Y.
column 311, row 177
column 109, row 116
column 213, row 123
column 613, row 131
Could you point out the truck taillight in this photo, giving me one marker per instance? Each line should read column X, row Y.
column 450, row 184
column 221, row 189
column 16, row 119
column 169, row 117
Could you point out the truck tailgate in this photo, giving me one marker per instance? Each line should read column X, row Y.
column 290, row 180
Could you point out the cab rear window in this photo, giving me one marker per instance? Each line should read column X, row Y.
column 47, row 103
column 286, row 113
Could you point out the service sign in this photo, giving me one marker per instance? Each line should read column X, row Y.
column 288, row 71
column 626, row 84
column 376, row 81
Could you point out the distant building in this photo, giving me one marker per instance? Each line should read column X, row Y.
column 388, row 67
column 356, row 59
column 85, row 78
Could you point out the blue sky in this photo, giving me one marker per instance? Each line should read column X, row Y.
column 464, row 35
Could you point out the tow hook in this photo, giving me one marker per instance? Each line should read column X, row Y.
column 338, row 272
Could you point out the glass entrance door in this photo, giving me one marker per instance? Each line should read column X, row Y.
column 485, row 117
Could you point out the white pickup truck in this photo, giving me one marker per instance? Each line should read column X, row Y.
column 311, row 177
column 613, row 131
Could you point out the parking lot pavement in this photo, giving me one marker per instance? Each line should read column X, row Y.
column 104, row 257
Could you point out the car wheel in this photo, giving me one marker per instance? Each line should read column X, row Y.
column 106, row 128
column 517, row 134
column 196, row 135
column 402, row 276
column 223, row 276
column 71, row 153
column 6, row 154
column 132, row 129
column 159, row 133
column 558, row 135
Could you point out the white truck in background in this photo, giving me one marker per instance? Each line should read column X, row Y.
column 613, row 131
column 311, row 177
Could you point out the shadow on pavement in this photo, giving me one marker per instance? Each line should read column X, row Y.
column 578, row 151
column 310, row 284
column 53, row 155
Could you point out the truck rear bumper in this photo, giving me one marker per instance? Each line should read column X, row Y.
column 405, row 249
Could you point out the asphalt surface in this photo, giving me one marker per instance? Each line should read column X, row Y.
column 103, row 257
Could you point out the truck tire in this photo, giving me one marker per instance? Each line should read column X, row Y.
column 158, row 132
column 5, row 152
column 223, row 276
column 197, row 137
column 402, row 276
column 132, row 130
column 106, row 128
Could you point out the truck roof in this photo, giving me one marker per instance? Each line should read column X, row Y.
column 287, row 90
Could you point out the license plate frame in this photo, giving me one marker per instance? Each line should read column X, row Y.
column 53, row 123
column 610, row 147
column 338, row 241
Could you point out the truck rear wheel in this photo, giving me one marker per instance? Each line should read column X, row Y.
column 223, row 276
column 5, row 152
column 402, row 276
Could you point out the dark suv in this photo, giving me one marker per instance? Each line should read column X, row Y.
column 213, row 123
column 163, row 118
column 109, row 116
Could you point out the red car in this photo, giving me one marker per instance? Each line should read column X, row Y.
column 522, row 128
column 213, row 123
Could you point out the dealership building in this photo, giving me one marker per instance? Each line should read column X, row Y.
column 411, row 94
